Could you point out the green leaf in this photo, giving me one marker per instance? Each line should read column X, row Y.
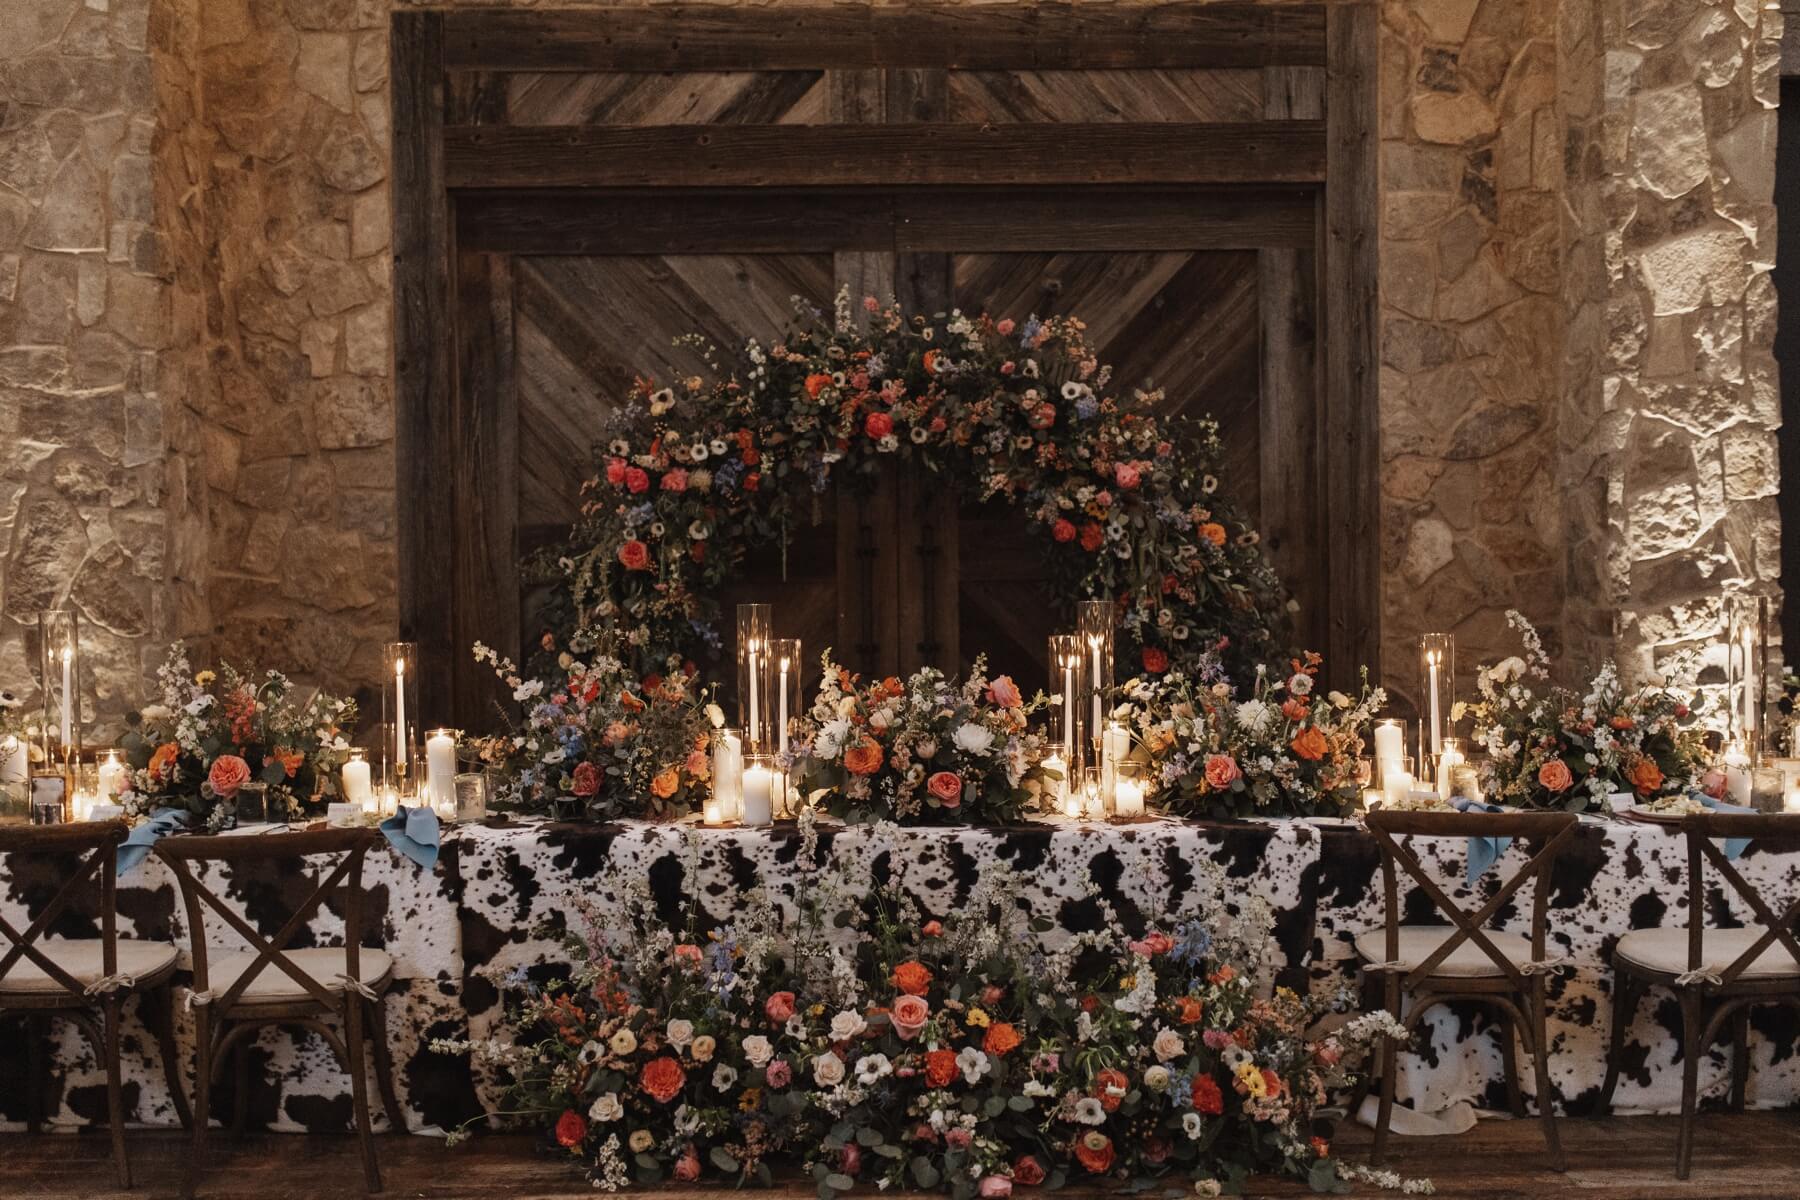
column 993, row 1107
column 889, row 1150
column 923, row 1173
column 1019, row 1103
column 839, row 1183
column 722, row 1159
column 868, row 1135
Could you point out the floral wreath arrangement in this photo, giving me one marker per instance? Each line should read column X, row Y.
column 863, row 1043
column 1283, row 750
column 928, row 750
column 694, row 475
column 1567, row 750
column 215, row 731
column 597, row 741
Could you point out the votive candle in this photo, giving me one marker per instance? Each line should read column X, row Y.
column 440, row 770
column 759, row 795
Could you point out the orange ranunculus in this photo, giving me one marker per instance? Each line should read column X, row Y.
column 912, row 977
column 1188, row 1009
column 630, row 703
column 1094, row 1150
column 571, row 1130
column 1001, row 1040
column 1310, row 744
column 1295, row 709
column 864, row 758
column 290, row 760
column 664, row 784
column 162, row 763
column 1554, row 776
column 816, row 384
column 1110, row 1087
column 940, row 1068
column 1646, row 776
column 1213, row 532
column 662, row 1079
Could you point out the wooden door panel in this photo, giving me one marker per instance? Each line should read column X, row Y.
column 678, row 98
column 1194, row 94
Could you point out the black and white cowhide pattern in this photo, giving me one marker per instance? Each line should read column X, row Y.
column 500, row 894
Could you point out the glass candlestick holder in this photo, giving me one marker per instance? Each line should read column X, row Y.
column 400, row 717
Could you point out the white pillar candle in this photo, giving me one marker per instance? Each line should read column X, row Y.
column 1128, row 798
column 1737, row 774
column 1390, row 741
column 1448, row 761
column 400, row 739
column 759, row 796
column 68, row 658
column 754, row 731
column 1749, row 691
column 728, row 776
column 1790, row 801
column 440, row 770
column 1396, row 786
column 355, row 778
column 112, row 776
column 15, row 760
column 782, row 731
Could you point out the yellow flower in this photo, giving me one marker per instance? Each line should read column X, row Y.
column 976, row 1018
column 205, row 678
column 750, row 1099
column 1250, row 1076
column 642, row 1140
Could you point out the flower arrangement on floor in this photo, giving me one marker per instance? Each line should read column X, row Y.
column 695, row 474
column 1562, row 749
column 864, row 1043
column 598, row 742
column 927, row 750
column 213, row 732
column 1281, row 750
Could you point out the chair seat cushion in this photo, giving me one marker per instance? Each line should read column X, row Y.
column 1666, row 950
column 272, row 985
column 144, row 962
column 1467, row 961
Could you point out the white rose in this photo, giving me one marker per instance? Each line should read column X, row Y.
column 828, row 1070
column 971, row 738
column 1168, row 1045
column 847, row 1025
column 1156, row 1078
column 758, row 1050
column 679, row 1033
column 606, row 1109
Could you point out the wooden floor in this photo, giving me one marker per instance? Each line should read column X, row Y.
column 1737, row 1158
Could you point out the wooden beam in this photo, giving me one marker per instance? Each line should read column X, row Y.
column 693, row 37
column 1351, row 317
column 423, row 340
column 886, row 220
column 477, row 157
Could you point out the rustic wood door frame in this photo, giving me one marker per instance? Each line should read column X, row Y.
column 457, row 579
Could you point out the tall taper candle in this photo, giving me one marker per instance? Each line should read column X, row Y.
column 400, row 763
column 68, row 657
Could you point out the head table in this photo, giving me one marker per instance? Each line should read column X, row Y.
column 491, row 906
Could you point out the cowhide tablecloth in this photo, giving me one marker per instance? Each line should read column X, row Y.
column 500, row 894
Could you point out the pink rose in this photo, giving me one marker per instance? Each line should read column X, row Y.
column 586, row 780
column 958, row 1138
column 637, row 479
column 675, row 480
column 228, row 774
column 615, row 472
column 1221, row 770
column 947, row 787
column 778, row 1074
column 1126, row 475
column 909, row 1016
column 779, row 1007
column 1329, row 1053
column 1005, row 326
column 1004, row 692
column 850, row 1159
column 687, row 1167
column 992, row 994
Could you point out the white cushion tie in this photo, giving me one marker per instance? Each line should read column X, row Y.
column 1698, row 975
column 198, row 999
column 124, row 981
column 356, row 985
column 1544, row 966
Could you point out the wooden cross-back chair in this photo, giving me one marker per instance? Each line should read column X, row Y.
column 1718, row 974
column 80, row 979
column 1465, row 960
column 236, row 994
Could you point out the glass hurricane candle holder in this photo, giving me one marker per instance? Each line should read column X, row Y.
column 1066, row 679
column 1131, row 792
column 785, row 669
column 471, row 796
column 400, row 717
column 755, row 690
column 1437, row 690
column 59, row 648
column 1096, row 627
column 726, row 802
column 1746, row 671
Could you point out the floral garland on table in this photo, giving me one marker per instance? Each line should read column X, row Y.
column 1282, row 750
column 928, row 750
column 1567, row 750
column 213, row 732
column 1125, row 501
column 596, row 739
column 862, row 1043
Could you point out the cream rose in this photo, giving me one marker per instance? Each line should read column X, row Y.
column 679, row 1033
column 1168, row 1045
column 758, row 1050
column 828, row 1070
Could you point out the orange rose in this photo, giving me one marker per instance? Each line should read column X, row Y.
column 1110, row 1087
column 162, row 763
column 1646, row 776
column 1310, row 744
column 1213, row 532
column 1094, row 1150
column 816, row 384
column 664, row 784
column 1188, row 1009
column 662, row 1079
column 1001, row 1040
column 1221, row 771
column 940, row 1068
column 912, row 977
column 1554, row 776
column 864, row 758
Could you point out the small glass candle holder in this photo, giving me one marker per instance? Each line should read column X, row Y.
column 49, row 798
column 1437, row 690
column 1397, row 781
column 400, row 716
column 471, row 796
column 785, row 669
column 59, row 648
column 760, row 781
column 252, row 804
column 1093, row 803
column 727, row 776
column 1131, row 793
column 754, row 672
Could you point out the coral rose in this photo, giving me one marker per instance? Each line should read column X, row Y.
column 864, row 758
column 1027, row 1171
column 634, row 556
column 571, row 1129
column 1156, row 659
column 1110, row 1087
column 637, row 479
column 1092, row 537
column 912, row 977
column 586, row 780
column 940, row 1068
column 687, row 1167
column 665, row 782
column 615, row 472
column 1554, row 776
column 662, row 1079
column 1004, row 692
column 1127, row 475
column 1208, row 1099
column 779, row 1007
column 1188, row 1010
column 909, row 1016
column 1646, row 776
column 816, row 384
column 878, row 425
column 1001, row 1040
column 1063, row 530
column 1221, row 771
column 1094, row 1151
column 947, row 786
column 228, row 774
column 1310, row 744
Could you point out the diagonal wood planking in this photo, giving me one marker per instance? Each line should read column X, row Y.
column 688, row 98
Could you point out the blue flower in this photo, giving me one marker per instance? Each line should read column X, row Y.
column 1086, row 407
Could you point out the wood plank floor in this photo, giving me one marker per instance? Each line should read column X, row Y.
column 1756, row 1155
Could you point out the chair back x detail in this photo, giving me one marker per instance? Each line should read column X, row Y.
column 1704, row 832
column 100, row 841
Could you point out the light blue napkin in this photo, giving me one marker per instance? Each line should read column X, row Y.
column 1483, row 851
column 414, row 832
column 136, row 847
column 1733, row 846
